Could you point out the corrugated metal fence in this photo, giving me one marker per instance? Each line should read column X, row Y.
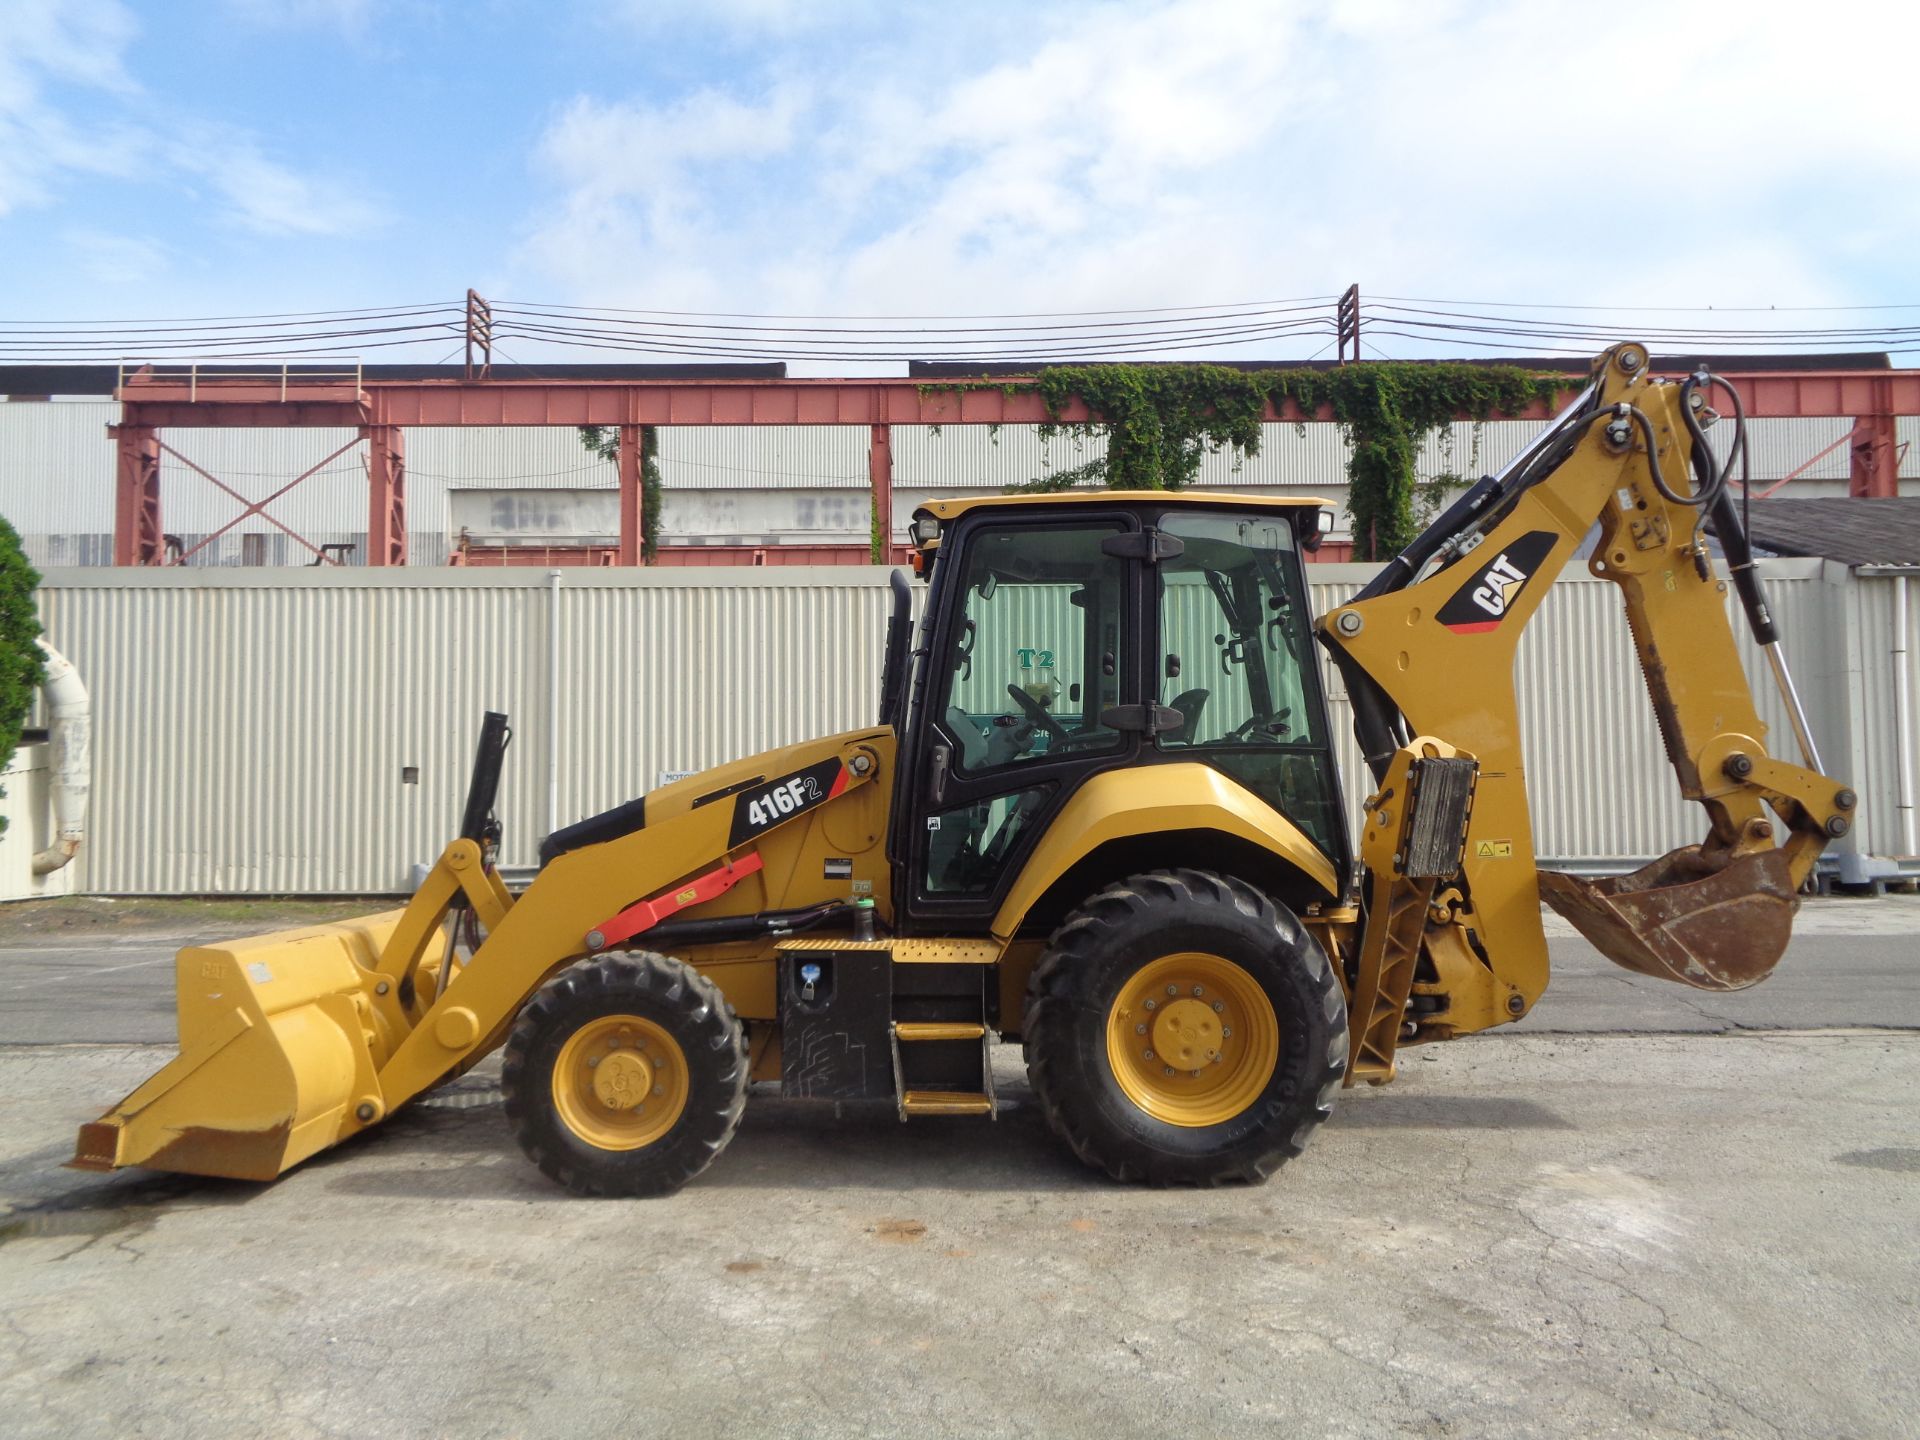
column 255, row 731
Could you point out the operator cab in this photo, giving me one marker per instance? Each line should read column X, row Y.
column 1068, row 635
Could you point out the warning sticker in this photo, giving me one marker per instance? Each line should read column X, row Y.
column 838, row 868
column 1493, row 850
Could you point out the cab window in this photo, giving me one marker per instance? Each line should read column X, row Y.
column 1034, row 658
column 1237, row 663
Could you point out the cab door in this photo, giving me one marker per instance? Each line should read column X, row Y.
column 1031, row 679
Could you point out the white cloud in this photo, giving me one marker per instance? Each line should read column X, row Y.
column 119, row 130
column 108, row 259
column 262, row 195
column 50, row 43
column 1225, row 150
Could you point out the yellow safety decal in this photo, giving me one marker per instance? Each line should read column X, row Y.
column 1493, row 850
column 686, row 897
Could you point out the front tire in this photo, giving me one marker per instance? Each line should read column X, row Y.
column 1183, row 1029
column 625, row 1075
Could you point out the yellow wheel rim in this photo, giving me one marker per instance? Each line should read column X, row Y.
column 1192, row 1039
column 620, row 1082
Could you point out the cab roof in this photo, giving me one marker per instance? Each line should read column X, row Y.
column 954, row 509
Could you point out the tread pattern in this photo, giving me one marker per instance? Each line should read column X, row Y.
column 1065, row 1020
column 665, row 990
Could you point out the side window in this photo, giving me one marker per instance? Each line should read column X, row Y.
column 1035, row 657
column 1237, row 663
column 1236, row 646
column 968, row 847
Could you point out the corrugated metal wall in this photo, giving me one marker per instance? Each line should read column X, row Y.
column 56, row 474
column 251, row 728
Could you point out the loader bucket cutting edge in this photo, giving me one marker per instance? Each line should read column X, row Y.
column 277, row 1039
column 1708, row 924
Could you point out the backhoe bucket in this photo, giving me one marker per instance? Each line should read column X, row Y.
column 277, row 1036
column 1712, row 925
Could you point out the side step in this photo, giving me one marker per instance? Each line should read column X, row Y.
column 944, row 1102
column 948, row 1049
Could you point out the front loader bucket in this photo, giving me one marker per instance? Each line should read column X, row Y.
column 276, row 1054
column 1712, row 925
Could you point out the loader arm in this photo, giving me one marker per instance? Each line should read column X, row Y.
column 293, row 1042
column 1427, row 649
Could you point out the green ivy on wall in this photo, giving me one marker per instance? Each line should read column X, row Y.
column 604, row 441
column 1161, row 420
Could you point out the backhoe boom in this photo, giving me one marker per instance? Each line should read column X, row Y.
column 1428, row 650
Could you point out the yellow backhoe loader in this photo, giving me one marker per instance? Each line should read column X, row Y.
column 1099, row 813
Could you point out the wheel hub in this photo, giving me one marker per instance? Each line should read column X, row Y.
column 1192, row 1039
column 1186, row 1034
column 623, row 1080
column 620, row 1082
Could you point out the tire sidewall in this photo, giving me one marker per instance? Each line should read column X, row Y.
column 700, row 1023
column 1093, row 956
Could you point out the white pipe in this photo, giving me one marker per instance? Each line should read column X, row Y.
column 70, row 733
column 553, row 701
column 1903, row 714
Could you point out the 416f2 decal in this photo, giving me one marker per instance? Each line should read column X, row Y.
column 767, row 805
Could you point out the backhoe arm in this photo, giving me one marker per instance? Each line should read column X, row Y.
column 1428, row 649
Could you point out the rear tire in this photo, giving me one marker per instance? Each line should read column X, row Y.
column 1171, row 959
column 625, row 1075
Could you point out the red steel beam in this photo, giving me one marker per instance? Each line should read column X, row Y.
column 386, row 494
column 880, row 477
column 891, row 401
column 137, row 539
column 633, row 515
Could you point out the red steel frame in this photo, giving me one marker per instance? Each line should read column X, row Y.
column 380, row 409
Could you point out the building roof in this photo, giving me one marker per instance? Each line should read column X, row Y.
column 1852, row 530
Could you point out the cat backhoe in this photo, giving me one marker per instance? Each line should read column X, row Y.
column 1099, row 812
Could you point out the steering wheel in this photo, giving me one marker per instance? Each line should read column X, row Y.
column 1037, row 713
column 1260, row 728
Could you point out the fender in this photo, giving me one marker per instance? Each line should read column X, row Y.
column 1149, row 799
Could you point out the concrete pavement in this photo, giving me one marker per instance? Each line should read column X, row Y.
column 1529, row 1234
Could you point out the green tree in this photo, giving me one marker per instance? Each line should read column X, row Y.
column 21, row 670
column 604, row 441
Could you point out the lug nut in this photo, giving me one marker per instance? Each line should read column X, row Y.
column 1169, row 1069
column 1152, row 1003
column 1198, row 992
column 1146, row 1054
column 1225, row 1033
column 1218, row 1007
column 592, row 1060
column 1173, row 989
column 1140, row 1029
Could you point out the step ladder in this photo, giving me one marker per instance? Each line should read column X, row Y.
column 942, row 1050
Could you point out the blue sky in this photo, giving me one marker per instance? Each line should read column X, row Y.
column 212, row 157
